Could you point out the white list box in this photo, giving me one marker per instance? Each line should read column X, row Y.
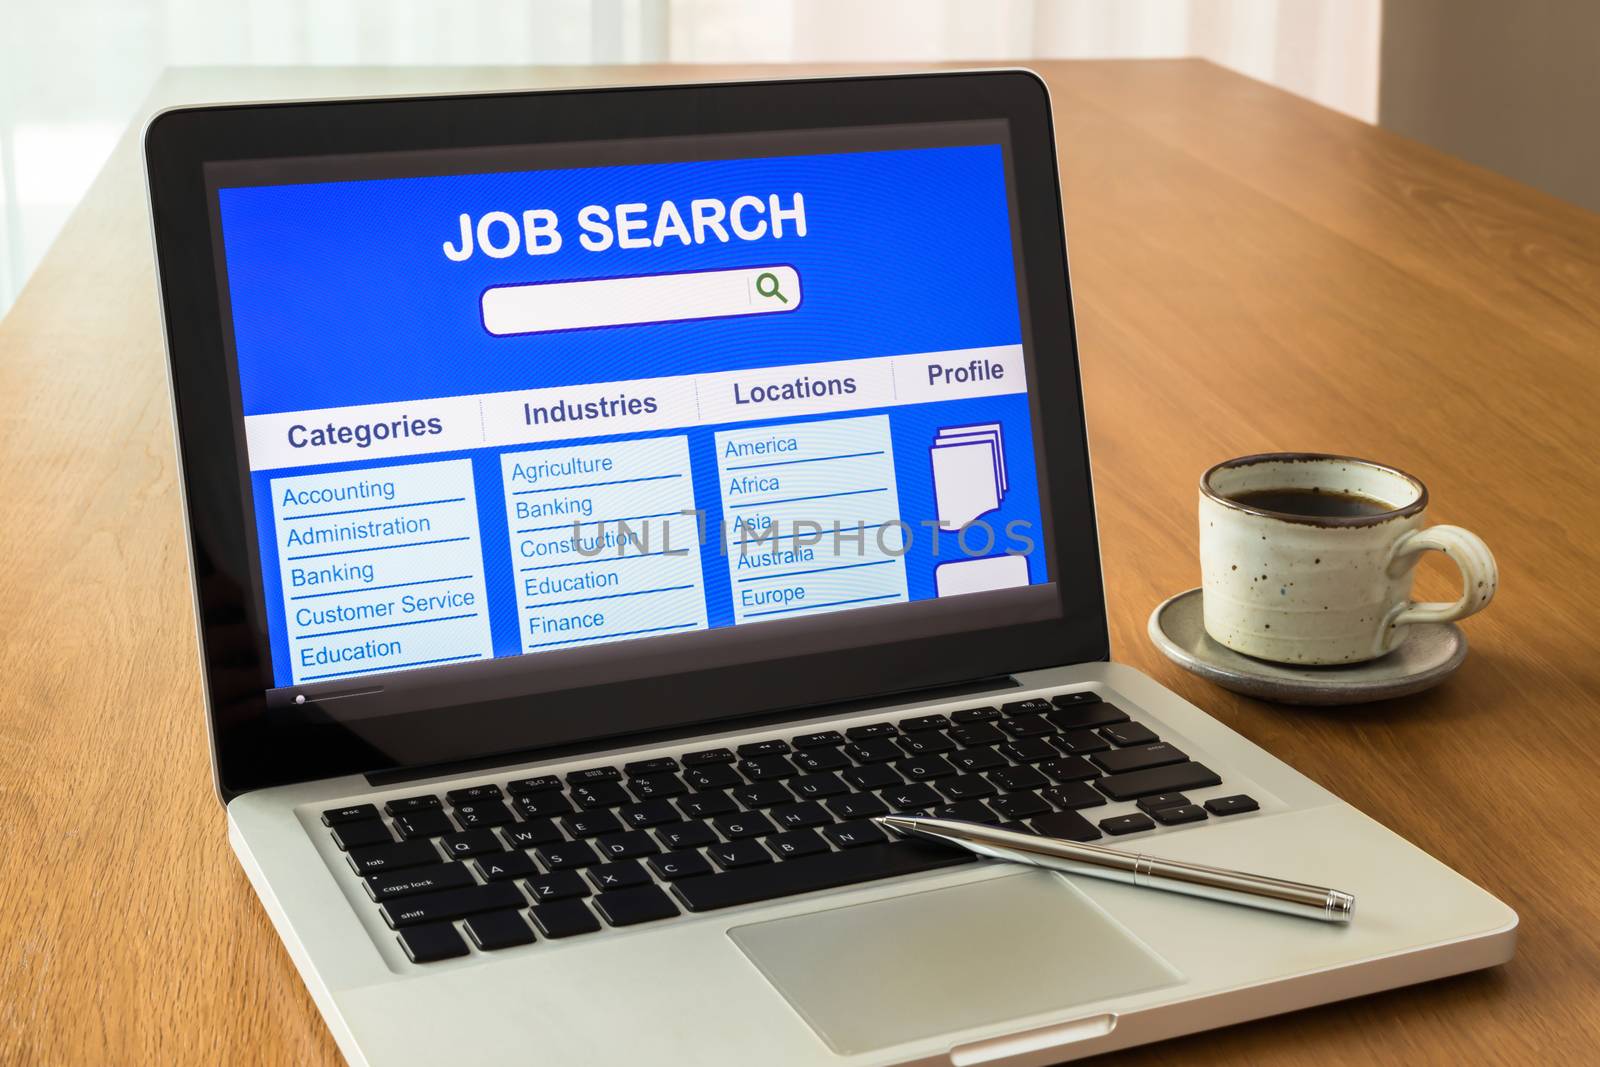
column 381, row 569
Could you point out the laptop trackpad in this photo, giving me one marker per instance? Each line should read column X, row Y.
column 873, row 975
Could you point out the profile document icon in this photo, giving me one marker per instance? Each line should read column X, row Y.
column 969, row 481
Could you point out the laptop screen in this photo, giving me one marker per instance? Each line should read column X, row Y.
column 514, row 403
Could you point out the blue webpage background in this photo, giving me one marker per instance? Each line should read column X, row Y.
column 341, row 295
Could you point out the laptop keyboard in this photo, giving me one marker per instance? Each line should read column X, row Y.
column 557, row 857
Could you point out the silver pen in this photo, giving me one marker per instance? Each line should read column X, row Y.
column 1131, row 868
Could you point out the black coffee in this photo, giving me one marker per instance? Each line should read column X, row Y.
column 1312, row 503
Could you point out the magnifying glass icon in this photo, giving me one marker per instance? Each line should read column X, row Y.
column 767, row 285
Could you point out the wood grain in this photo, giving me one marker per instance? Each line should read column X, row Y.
column 1250, row 271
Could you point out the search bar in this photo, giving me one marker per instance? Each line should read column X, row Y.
column 546, row 307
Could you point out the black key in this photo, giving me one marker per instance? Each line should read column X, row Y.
column 451, row 904
column 591, row 775
column 764, row 768
column 857, row 806
column 965, row 787
column 470, row 843
column 1027, row 726
column 1170, row 779
column 1068, row 769
column 817, row 786
column 542, row 804
column 873, row 750
column 646, row 814
column 1075, row 700
column 926, row 743
column 641, row 904
column 1066, row 824
column 530, row 834
column 542, row 784
column 970, row 810
column 626, row 845
column 712, row 776
column 1031, row 706
column 913, row 797
column 757, row 749
column 362, row 834
column 871, row 730
column 925, row 768
column 429, row 879
column 483, row 813
column 557, row 885
column 796, row 843
column 652, row 786
column 976, row 759
column 923, row 722
column 1080, row 742
column 854, row 834
column 432, row 942
column 707, row 756
column 1124, row 734
column 872, row 776
column 564, row 918
column 591, row 824
column 819, row 740
column 762, row 794
column 705, row 805
column 819, row 759
column 795, row 816
column 681, row 835
column 378, row 858
column 1118, row 825
column 810, row 873
column 502, row 866
column 743, row 824
column 642, row 768
column 1178, row 814
column 1022, row 805
column 1083, row 716
column 429, row 822
column 1234, row 805
column 1011, row 779
column 670, row 866
column 975, row 715
column 353, row 813
column 405, row 804
column 1148, row 805
column 1122, row 760
column 619, row 875
column 1028, row 750
column 473, row 792
column 498, row 929
column 595, row 795
column 736, row 854
column 976, row 733
column 1073, row 795
column 566, row 855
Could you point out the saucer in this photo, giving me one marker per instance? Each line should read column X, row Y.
column 1430, row 654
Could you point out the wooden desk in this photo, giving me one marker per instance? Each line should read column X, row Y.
column 1252, row 272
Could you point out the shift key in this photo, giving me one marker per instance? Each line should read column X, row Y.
column 1174, row 778
column 452, row 904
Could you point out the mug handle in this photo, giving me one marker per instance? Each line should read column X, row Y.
column 1479, row 575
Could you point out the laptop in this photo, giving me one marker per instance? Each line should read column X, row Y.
column 604, row 503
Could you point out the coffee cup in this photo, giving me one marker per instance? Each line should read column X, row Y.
column 1309, row 558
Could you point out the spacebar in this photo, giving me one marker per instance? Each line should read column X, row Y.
column 747, row 885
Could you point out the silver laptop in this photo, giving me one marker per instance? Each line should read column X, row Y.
column 604, row 503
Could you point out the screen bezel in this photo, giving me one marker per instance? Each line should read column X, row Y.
column 255, row 747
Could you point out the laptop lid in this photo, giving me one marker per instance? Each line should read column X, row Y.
column 516, row 421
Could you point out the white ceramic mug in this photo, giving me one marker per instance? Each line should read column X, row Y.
column 1305, row 589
